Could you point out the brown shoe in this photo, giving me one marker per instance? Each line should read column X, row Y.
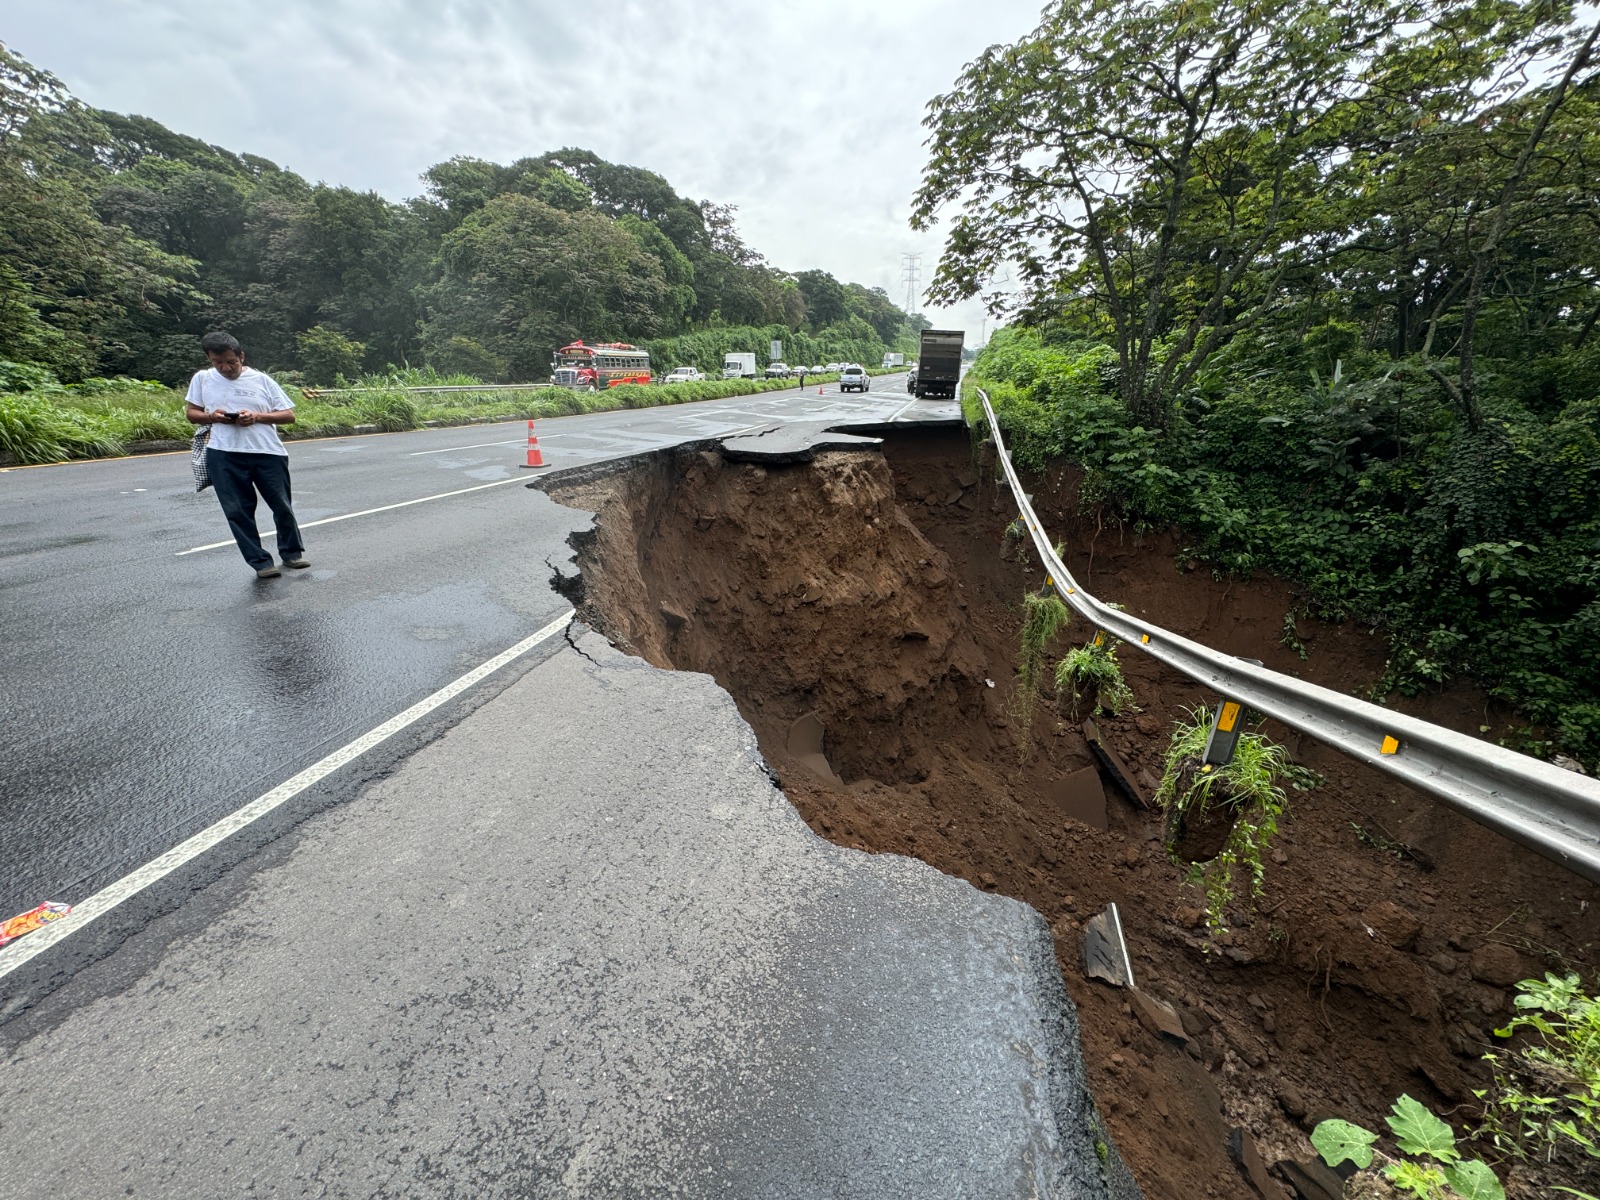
column 268, row 573
column 295, row 564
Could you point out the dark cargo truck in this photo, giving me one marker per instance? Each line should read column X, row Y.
column 939, row 364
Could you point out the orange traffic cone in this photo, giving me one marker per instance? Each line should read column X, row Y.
column 819, row 391
column 535, row 455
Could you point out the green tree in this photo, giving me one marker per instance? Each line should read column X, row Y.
column 675, row 268
column 523, row 278
column 461, row 355
column 825, row 298
column 328, row 356
column 874, row 307
column 88, row 285
column 560, row 190
column 1179, row 167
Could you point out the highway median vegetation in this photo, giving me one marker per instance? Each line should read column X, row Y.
column 43, row 420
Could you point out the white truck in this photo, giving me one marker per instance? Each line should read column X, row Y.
column 894, row 360
column 740, row 365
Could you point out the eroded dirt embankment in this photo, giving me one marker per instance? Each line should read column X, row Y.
column 876, row 597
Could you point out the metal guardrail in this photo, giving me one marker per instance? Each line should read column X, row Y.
column 1552, row 811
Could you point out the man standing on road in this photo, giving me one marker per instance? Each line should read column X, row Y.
column 802, row 379
column 244, row 454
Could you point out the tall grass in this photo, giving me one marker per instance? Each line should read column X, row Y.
column 34, row 431
column 1248, row 787
column 1091, row 673
column 1043, row 616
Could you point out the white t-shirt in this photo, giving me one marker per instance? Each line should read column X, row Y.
column 215, row 392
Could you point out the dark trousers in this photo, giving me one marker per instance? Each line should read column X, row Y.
column 237, row 478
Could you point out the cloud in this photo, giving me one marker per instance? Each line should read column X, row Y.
column 807, row 116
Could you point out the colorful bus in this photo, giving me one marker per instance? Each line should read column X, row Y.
column 603, row 365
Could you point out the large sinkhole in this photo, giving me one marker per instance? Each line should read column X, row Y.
column 863, row 609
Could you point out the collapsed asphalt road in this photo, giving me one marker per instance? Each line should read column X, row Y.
column 153, row 685
column 567, row 940
column 578, row 946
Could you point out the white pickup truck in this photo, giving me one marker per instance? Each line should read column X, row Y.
column 854, row 379
column 683, row 375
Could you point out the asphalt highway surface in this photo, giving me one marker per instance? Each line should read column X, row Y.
column 392, row 880
column 153, row 684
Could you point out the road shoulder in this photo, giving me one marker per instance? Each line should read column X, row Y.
column 578, row 945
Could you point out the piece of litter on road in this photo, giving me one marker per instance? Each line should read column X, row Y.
column 989, row 682
column 27, row 922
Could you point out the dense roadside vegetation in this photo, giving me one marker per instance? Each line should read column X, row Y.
column 45, row 421
column 1319, row 285
column 122, row 241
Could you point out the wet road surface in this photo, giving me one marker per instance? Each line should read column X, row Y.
column 567, row 938
column 152, row 684
column 578, row 945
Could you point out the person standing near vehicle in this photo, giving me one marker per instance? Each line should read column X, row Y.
column 802, row 379
column 244, row 454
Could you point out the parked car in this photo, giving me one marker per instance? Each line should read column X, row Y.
column 778, row 370
column 854, row 379
column 819, row 370
column 684, row 375
column 834, row 366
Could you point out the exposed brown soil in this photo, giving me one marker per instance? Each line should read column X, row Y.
column 881, row 594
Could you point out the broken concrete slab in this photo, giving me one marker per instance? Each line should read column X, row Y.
column 1242, row 1149
column 1311, row 1180
column 1105, row 953
column 797, row 443
column 1120, row 773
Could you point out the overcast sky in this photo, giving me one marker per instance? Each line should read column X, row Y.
column 806, row 115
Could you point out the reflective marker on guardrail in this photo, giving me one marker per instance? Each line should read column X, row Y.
column 1551, row 811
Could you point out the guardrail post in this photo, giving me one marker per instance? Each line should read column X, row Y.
column 1224, row 736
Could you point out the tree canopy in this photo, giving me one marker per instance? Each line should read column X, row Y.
column 1181, row 173
column 123, row 240
column 1316, row 284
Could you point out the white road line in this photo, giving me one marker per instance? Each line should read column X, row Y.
column 366, row 512
column 131, row 884
column 902, row 409
column 474, row 446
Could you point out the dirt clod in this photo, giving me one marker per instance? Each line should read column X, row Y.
column 1291, row 1100
column 1394, row 924
column 1498, row 965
